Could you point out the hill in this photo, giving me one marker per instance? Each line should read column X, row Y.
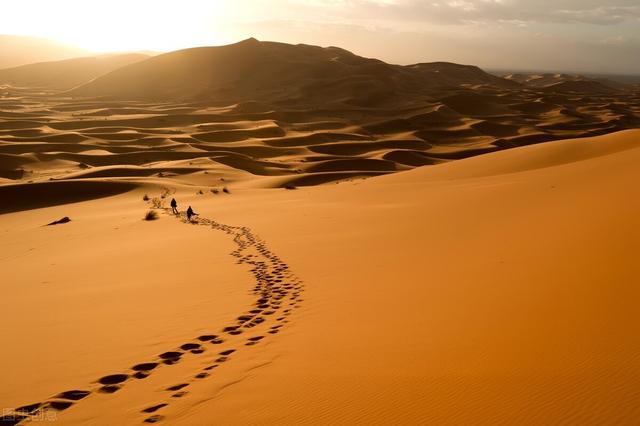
column 255, row 70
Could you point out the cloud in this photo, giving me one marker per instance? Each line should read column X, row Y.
column 456, row 12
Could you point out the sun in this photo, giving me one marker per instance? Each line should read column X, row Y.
column 121, row 25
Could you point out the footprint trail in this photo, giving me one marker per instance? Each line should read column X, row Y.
column 277, row 293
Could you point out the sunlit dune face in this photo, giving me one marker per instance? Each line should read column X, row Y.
column 120, row 25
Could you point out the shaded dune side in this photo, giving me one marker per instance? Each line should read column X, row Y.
column 256, row 71
column 45, row 194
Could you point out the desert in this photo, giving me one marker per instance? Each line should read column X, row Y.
column 370, row 243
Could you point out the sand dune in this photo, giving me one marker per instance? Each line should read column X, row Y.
column 461, row 296
column 285, row 138
column 253, row 70
column 494, row 285
column 430, row 113
column 569, row 83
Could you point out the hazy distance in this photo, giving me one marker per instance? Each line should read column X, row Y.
column 560, row 35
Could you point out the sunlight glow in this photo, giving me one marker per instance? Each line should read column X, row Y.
column 119, row 25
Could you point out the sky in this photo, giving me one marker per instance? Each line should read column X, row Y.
column 597, row 36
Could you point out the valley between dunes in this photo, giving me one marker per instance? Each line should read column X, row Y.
column 497, row 289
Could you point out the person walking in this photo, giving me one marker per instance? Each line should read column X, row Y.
column 190, row 213
column 174, row 206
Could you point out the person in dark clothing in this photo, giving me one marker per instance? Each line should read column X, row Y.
column 190, row 213
column 174, row 206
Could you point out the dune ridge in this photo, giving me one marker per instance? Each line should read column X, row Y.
column 297, row 117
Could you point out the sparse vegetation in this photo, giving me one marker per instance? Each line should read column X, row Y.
column 145, row 198
column 226, row 190
column 200, row 192
column 215, row 191
column 151, row 215
column 157, row 203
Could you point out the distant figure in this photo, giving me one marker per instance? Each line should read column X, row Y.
column 174, row 206
column 190, row 213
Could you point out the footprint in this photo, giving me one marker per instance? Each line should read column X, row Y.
column 244, row 318
column 147, row 366
column 109, row 389
column 170, row 358
column 207, row 337
column 190, row 346
column 202, row 375
column 154, row 408
column 12, row 419
column 153, row 419
column 171, row 355
column 113, row 379
column 59, row 405
column 178, row 387
column 27, row 409
column 74, row 395
column 227, row 352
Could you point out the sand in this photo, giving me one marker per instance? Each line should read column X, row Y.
column 45, row 137
column 493, row 290
column 465, row 256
